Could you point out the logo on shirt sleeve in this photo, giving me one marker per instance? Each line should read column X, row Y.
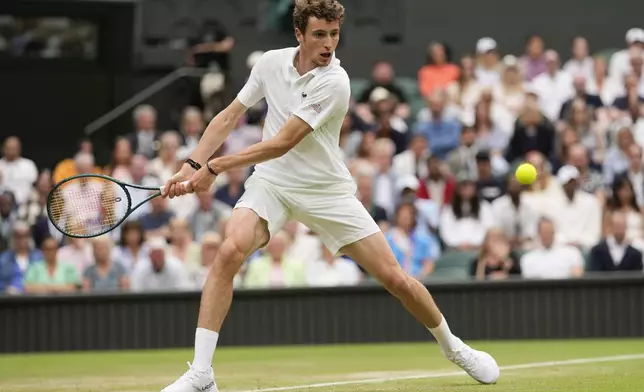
column 317, row 107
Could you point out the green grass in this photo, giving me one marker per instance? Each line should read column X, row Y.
column 241, row 369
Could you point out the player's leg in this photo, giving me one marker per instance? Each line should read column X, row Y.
column 258, row 213
column 345, row 226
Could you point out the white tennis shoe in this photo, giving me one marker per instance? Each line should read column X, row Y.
column 194, row 380
column 478, row 364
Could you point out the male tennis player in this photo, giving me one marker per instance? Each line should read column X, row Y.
column 300, row 174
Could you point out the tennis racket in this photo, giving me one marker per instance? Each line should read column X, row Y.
column 90, row 205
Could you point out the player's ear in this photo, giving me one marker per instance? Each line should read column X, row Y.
column 298, row 35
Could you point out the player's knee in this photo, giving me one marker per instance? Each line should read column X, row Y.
column 229, row 257
column 397, row 282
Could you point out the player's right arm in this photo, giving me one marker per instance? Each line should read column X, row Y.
column 220, row 127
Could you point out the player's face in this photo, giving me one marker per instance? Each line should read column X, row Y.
column 319, row 41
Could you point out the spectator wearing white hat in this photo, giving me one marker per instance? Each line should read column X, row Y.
column 619, row 65
column 510, row 92
column 554, row 87
column 488, row 69
column 533, row 63
column 577, row 214
column 161, row 272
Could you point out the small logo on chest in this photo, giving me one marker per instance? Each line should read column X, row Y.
column 304, row 95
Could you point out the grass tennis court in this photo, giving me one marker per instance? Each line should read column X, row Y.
column 603, row 366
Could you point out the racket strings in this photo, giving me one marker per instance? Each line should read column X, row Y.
column 85, row 207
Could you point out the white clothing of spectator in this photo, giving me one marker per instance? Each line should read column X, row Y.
column 514, row 216
column 577, row 215
column 581, row 63
column 620, row 64
column 18, row 174
column 487, row 73
column 549, row 260
column 332, row 271
column 413, row 161
column 77, row 252
column 161, row 272
column 303, row 245
column 553, row 87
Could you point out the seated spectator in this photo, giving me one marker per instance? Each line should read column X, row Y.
column 77, row 252
column 8, row 217
column 35, row 207
column 488, row 69
column 546, row 190
column 15, row 261
column 617, row 155
column 413, row 160
column 387, row 125
column 416, row 251
column 18, row 173
column 365, row 184
column 119, row 167
column 382, row 77
column 619, row 62
column 577, row 214
column 329, row 270
column 590, row 180
column 303, row 243
column 67, row 167
column 437, row 186
column 384, row 181
column 161, row 272
column 623, row 200
column 209, row 215
column 631, row 99
column 192, row 127
column 104, row 274
column 165, row 165
column 438, row 72
column 140, row 176
column 182, row 245
column 510, row 92
column 273, row 269
column 210, row 243
column 533, row 132
column 145, row 134
column 461, row 161
column 364, row 156
column 615, row 253
column 591, row 102
column 51, row 275
column 516, row 218
column 600, row 84
column 234, row 189
column 131, row 249
column 553, row 87
column 495, row 261
column 464, row 223
column 247, row 133
column 442, row 134
column 579, row 118
column 565, row 139
column 428, row 217
column 488, row 186
column 533, row 62
column 155, row 223
column 635, row 172
column 581, row 63
column 550, row 260
column 466, row 91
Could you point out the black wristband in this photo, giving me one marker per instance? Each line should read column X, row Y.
column 193, row 164
column 214, row 173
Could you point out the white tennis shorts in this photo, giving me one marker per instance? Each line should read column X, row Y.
column 333, row 213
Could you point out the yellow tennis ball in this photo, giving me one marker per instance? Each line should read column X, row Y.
column 526, row 173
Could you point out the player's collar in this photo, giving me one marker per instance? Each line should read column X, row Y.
column 314, row 71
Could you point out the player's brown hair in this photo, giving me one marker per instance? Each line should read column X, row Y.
column 329, row 10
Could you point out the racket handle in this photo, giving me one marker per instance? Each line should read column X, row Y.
column 184, row 183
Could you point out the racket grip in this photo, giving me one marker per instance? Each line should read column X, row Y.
column 184, row 183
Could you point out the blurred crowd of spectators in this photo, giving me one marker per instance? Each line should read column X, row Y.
column 438, row 181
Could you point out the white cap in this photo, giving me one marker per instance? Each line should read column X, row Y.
column 409, row 181
column 157, row 243
column 510, row 61
column 378, row 94
column 567, row 173
column 485, row 45
column 635, row 35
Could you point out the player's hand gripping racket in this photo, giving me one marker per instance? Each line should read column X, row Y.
column 90, row 205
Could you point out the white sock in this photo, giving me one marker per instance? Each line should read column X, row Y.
column 205, row 344
column 444, row 337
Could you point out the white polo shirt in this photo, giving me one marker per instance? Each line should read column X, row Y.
column 321, row 98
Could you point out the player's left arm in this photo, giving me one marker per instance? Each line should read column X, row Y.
column 329, row 99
